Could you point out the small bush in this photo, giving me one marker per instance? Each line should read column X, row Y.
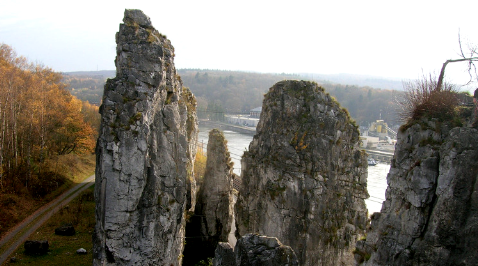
column 423, row 99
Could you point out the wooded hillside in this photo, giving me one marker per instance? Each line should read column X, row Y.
column 238, row 92
column 40, row 122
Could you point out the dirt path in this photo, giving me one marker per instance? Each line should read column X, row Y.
column 16, row 236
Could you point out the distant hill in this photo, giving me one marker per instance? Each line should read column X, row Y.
column 104, row 73
column 367, row 98
column 358, row 80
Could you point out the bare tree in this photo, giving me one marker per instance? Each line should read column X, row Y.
column 471, row 57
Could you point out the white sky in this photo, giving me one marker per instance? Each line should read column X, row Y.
column 401, row 39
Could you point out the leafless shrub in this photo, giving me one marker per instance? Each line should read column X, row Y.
column 423, row 98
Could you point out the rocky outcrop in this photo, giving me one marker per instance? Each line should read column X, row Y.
column 304, row 176
column 224, row 255
column 212, row 218
column 253, row 249
column 430, row 213
column 189, row 118
column 143, row 153
column 36, row 247
column 215, row 200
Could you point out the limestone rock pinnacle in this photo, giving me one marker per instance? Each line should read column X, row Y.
column 430, row 212
column 211, row 222
column 144, row 153
column 304, row 176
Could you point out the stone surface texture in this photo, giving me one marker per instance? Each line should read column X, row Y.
column 304, row 177
column 224, row 255
column 430, row 214
column 144, row 152
column 215, row 196
column 213, row 216
column 255, row 250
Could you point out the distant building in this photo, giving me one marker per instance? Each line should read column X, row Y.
column 241, row 120
column 256, row 112
column 369, row 142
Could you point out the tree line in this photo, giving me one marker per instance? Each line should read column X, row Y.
column 219, row 92
column 239, row 92
column 40, row 121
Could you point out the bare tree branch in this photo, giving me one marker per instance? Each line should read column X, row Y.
column 473, row 57
column 442, row 72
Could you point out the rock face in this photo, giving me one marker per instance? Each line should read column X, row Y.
column 430, row 215
column 212, row 219
column 215, row 198
column 257, row 250
column 304, row 177
column 253, row 249
column 143, row 152
column 224, row 255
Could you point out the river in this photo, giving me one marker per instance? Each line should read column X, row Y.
column 237, row 143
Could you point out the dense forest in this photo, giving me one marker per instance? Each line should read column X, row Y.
column 239, row 92
column 41, row 124
column 220, row 92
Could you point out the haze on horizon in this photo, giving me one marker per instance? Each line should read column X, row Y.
column 401, row 40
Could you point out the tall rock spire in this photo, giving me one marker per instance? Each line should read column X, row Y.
column 212, row 220
column 144, row 152
column 304, row 176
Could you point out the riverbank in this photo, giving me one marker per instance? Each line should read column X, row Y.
column 225, row 126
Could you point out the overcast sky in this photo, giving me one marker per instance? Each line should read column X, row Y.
column 400, row 39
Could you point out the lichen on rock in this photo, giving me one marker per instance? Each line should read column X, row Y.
column 254, row 249
column 430, row 210
column 212, row 219
column 304, row 176
column 143, row 152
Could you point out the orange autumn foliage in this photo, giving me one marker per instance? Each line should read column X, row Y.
column 39, row 121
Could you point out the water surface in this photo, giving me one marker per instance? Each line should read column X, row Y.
column 237, row 143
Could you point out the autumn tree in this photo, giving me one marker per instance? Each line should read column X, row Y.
column 39, row 120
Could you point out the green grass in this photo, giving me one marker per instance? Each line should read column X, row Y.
column 17, row 207
column 79, row 212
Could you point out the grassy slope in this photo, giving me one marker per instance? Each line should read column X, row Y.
column 80, row 213
column 15, row 208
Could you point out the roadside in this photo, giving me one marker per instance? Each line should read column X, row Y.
column 17, row 235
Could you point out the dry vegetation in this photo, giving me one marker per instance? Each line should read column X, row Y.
column 47, row 137
column 80, row 213
column 422, row 98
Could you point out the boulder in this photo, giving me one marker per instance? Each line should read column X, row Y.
column 224, row 255
column 36, row 247
column 65, row 230
column 81, row 251
column 257, row 250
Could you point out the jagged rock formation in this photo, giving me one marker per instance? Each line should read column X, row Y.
column 430, row 215
column 212, row 219
column 143, row 154
column 257, row 250
column 304, row 177
column 224, row 255
column 215, row 195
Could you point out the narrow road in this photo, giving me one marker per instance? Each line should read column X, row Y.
column 16, row 236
